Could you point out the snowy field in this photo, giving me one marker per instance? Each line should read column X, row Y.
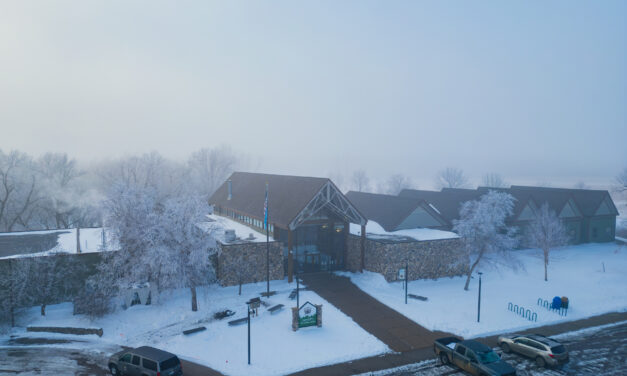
column 276, row 349
column 575, row 272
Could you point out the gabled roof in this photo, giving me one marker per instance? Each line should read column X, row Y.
column 288, row 195
column 389, row 211
column 448, row 201
column 587, row 200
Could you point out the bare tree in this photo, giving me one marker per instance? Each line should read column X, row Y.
column 451, row 177
column 58, row 175
column 546, row 231
column 395, row 184
column 621, row 181
column 360, row 181
column 19, row 190
column 494, row 180
column 581, row 185
column 209, row 168
column 483, row 230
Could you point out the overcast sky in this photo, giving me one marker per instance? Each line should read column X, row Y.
column 528, row 89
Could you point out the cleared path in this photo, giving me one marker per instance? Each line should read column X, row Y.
column 395, row 330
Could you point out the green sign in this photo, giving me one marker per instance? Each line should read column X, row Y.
column 307, row 315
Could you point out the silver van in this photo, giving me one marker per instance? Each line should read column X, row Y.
column 145, row 361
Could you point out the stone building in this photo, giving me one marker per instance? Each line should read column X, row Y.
column 308, row 223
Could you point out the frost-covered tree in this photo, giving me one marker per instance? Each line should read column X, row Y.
column 451, row 177
column 484, row 235
column 494, row 180
column 14, row 279
column 182, row 248
column 581, row 185
column 395, row 184
column 53, row 278
column 159, row 239
column 546, row 232
column 209, row 168
column 147, row 171
column 360, row 181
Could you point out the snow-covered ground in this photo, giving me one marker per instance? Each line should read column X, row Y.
column 276, row 349
column 575, row 272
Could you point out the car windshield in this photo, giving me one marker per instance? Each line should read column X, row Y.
column 488, row 357
column 558, row 349
column 170, row 363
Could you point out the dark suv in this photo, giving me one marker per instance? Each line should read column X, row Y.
column 145, row 361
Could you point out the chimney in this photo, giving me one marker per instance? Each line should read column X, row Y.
column 230, row 185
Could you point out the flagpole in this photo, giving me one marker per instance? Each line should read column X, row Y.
column 267, row 246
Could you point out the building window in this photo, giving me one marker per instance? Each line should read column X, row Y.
column 594, row 232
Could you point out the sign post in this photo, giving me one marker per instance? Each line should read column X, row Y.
column 307, row 315
column 406, row 278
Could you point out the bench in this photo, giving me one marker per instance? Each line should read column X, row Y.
column 276, row 308
column 293, row 294
column 417, row 297
column 190, row 331
column 238, row 321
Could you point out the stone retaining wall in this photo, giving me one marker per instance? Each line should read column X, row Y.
column 246, row 263
column 427, row 259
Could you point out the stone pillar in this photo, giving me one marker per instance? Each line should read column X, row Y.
column 318, row 315
column 78, row 240
column 290, row 255
column 363, row 248
column 294, row 318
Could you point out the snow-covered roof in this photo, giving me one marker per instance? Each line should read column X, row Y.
column 218, row 224
column 41, row 243
column 374, row 231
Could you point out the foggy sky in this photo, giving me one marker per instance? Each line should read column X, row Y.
column 528, row 89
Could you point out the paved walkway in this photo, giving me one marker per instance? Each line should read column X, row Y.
column 395, row 330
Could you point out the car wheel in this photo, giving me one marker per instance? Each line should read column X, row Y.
column 114, row 370
column 443, row 358
column 505, row 347
column 540, row 361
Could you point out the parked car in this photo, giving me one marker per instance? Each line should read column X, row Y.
column 472, row 356
column 545, row 351
column 145, row 361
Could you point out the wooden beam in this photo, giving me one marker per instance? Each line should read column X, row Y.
column 290, row 256
column 363, row 247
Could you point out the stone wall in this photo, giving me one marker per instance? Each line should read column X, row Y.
column 427, row 259
column 246, row 263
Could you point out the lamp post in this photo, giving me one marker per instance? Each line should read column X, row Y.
column 248, row 309
column 297, row 292
column 479, row 304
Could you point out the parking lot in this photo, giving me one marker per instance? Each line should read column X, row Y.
column 592, row 352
